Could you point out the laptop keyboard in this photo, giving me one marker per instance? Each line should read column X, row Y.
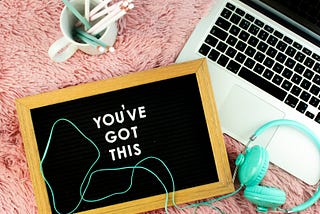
column 267, row 58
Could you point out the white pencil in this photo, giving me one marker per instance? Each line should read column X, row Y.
column 110, row 18
column 99, row 7
column 105, row 11
column 86, row 10
column 93, row 11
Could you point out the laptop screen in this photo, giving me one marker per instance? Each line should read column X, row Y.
column 304, row 12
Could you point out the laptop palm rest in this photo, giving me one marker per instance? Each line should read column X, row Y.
column 243, row 112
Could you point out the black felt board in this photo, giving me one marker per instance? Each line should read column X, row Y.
column 174, row 129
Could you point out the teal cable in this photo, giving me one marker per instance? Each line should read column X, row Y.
column 129, row 187
column 45, row 154
column 82, row 193
column 85, row 184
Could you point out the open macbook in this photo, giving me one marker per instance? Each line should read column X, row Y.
column 264, row 62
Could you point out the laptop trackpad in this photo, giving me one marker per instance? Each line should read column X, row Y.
column 242, row 112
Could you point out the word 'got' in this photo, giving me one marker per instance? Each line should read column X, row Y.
column 122, row 134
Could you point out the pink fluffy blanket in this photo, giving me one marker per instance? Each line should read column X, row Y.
column 149, row 36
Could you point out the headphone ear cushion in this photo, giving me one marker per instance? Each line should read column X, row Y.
column 265, row 197
column 253, row 165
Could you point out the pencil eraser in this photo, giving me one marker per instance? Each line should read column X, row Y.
column 101, row 49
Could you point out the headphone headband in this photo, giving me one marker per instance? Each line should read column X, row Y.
column 310, row 134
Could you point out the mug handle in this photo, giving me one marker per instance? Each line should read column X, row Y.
column 61, row 50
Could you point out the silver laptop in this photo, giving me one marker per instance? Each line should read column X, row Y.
column 264, row 63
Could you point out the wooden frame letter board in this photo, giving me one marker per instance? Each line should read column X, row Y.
column 126, row 144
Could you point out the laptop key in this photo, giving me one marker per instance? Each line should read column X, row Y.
column 262, row 83
column 291, row 101
column 241, row 46
column 281, row 46
column 314, row 90
column 249, row 17
column 296, row 79
column 231, row 52
column 219, row 33
column 259, row 57
column 240, row 12
column 232, row 40
column 305, row 96
column 210, row 40
column 316, row 79
column 234, row 30
column 226, row 13
column 287, row 73
column 290, row 63
column 297, row 45
column 278, row 34
column 258, row 68
column 259, row 23
column 223, row 60
column 305, row 84
column 314, row 101
column 253, row 29
column 271, row 52
column 299, row 68
column 263, row 35
column 295, row 90
column 286, row 85
column 204, row 49
column 249, row 63
column 233, row 66
column 278, row 68
column 235, row 19
column 308, row 74
column 240, row 57
column 317, row 119
column 222, row 46
column 306, row 51
column 288, row 40
column 281, row 57
column 213, row 55
column 230, row 6
column 268, row 28
column 290, row 51
column 302, row 107
column 316, row 68
column 300, row 56
column 253, row 41
column 316, row 56
column 244, row 24
column 272, row 40
column 277, row 79
column 310, row 115
column 262, row 46
column 250, row 51
column 268, row 62
column 244, row 36
column 224, row 24
column 268, row 74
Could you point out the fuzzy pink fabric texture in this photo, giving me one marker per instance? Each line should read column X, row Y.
column 151, row 35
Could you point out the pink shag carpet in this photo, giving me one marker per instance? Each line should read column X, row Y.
column 149, row 36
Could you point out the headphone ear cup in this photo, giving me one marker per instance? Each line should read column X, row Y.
column 265, row 197
column 253, row 165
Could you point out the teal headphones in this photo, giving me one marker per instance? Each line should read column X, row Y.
column 253, row 165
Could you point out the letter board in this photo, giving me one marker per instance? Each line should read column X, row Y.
column 167, row 113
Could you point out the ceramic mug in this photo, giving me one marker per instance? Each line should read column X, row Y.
column 63, row 48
